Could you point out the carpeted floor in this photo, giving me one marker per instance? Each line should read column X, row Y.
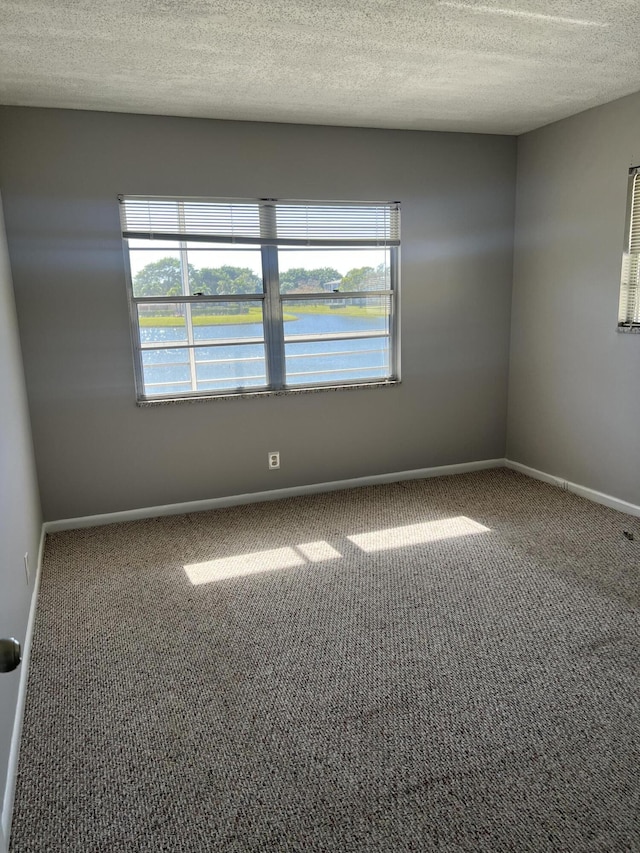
column 441, row 665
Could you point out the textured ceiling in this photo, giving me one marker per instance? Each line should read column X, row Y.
column 498, row 66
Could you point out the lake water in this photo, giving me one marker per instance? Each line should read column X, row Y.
column 220, row 366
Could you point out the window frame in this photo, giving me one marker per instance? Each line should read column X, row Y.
column 274, row 337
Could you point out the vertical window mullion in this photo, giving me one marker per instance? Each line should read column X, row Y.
column 184, row 272
column 184, row 276
column 272, row 311
column 273, row 322
column 394, row 320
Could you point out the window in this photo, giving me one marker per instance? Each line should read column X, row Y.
column 230, row 297
column 629, row 311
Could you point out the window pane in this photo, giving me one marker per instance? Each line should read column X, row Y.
column 214, row 321
column 166, row 371
column 215, row 369
column 224, row 368
column 337, row 361
column 221, row 269
column 210, row 321
column 155, row 272
column 336, row 316
column 162, row 322
column 327, row 270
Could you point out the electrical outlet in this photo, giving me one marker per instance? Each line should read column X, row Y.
column 274, row 459
column 26, row 566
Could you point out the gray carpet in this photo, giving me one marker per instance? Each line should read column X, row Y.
column 441, row 665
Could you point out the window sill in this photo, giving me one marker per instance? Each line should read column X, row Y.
column 628, row 330
column 252, row 395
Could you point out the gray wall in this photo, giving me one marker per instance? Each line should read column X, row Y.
column 574, row 406
column 20, row 506
column 97, row 452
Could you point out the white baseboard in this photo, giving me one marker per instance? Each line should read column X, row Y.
column 606, row 500
column 14, row 751
column 534, row 473
column 576, row 488
column 271, row 495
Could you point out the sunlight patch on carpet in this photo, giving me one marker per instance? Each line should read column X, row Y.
column 417, row 534
column 239, row 565
column 317, row 552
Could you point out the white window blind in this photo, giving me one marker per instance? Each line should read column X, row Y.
column 263, row 221
column 629, row 312
column 337, row 224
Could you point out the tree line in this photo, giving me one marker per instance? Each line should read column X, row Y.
column 164, row 278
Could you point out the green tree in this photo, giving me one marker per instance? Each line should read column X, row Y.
column 240, row 280
column 159, row 278
column 223, row 281
column 382, row 275
column 360, row 278
column 301, row 279
column 210, row 281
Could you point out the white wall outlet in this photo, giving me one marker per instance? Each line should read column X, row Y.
column 26, row 566
column 274, row 459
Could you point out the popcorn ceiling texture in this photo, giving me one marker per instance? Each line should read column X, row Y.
column 470, row 694
column 494, row 67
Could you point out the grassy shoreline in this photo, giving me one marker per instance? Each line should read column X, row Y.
column 255, row 316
